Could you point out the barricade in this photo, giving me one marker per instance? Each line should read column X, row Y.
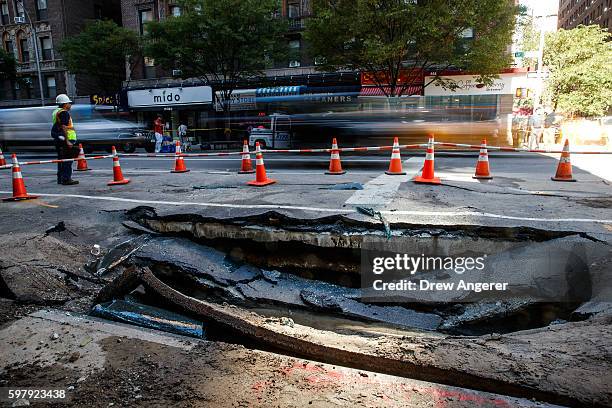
column 118, row 178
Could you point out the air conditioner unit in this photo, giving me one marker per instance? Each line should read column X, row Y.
column 20, row 20
column 177, row 72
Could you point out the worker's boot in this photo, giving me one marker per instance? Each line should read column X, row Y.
column 70, row 182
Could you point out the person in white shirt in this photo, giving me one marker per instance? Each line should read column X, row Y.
column 182, row 134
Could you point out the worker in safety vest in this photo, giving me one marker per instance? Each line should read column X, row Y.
column 65, row 138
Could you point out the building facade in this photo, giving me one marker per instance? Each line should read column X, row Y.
column 53, row 21
column 573, row 13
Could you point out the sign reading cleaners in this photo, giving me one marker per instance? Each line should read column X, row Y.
column 195, row 95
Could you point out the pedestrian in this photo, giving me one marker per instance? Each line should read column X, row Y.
column 65, row 139
column 182, row 134
column 536, row 128
column 158, row 128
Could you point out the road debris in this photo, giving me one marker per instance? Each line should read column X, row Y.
column 149, row 316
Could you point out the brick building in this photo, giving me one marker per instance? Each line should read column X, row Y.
column 586, row 12
column 136, row 13
column 53, row 20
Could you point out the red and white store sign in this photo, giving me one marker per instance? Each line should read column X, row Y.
column 468, row 85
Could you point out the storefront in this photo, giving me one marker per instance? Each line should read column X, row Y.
column 189, row 105
column 475, row 102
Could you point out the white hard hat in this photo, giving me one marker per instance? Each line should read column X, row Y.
column 62, row 99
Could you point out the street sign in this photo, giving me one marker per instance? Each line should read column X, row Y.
column 543, row 75
column 519, row 54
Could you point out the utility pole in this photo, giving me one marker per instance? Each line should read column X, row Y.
column 539, row 89
column 35, row 41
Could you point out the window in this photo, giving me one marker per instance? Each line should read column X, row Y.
column 50, row 90
column 46, row 48
column 4, row 12
column 41, row 9
column 19, row 7
column 27, row 87
column 149, row 68
column 294, row 47
column 293, row 9
column 467, row 33
column 8, row 46
column 145, row 16
column 25, row 50
column 175, row 11
column 98, row 12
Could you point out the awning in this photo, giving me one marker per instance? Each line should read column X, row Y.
column 377, row 91
column 278, row 91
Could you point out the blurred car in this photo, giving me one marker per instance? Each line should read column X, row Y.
column 31, row 127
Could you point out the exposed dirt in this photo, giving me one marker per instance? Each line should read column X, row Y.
column 140, row 373
column 566, row 363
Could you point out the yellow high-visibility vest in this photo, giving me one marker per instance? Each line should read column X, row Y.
column 70, row 132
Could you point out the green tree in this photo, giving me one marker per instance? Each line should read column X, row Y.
column 8, row 66
column 386, row 37
column 529, row 38
column 580, row 65
column 101, row 51
column 221, row 42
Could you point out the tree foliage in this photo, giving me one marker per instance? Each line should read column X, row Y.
column 580, row 65
column 220, row 42
column 529, row 38
column 386, row 37
column 8, row 66
column 101, row 51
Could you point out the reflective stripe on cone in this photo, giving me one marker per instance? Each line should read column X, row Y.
column 428, row 176
column 564, row 169
column 117, row 173
column 261, row 178
column 395, row 166
column 482, row 165
column 179, row 162
column 19, row 188
column 246, row 167
column 335, row 165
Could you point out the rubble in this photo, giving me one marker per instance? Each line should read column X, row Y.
column 149, row 316
column 255, row 285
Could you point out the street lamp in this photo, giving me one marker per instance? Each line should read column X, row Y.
column 35, row 41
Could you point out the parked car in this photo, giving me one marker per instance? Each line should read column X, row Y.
column 31, row 128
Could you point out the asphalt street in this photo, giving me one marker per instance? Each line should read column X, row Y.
column 521, row 193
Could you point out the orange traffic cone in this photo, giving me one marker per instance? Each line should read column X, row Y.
column 117, row 173
column 19, row 189
column 179, row 162
column 81, row 161
column 428, row 176
column 482, row 165
column 247, row 165
column 564, row 169
column 395, row 167
column 335, row 166
column 2, row 160
column 261, row 179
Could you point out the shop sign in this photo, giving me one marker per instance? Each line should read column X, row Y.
column 241, row 99
column 108, row 100
column 195, row 95
column 468, row 85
